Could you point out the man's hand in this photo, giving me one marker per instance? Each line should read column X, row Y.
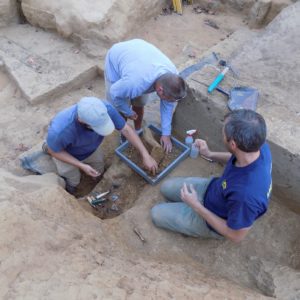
column 88, row 170
column 66, row 157
column 150, row 164
column 166, row 143
column 203, row 148
column 148, row 161
column 189, row 197
column 221, row 157
column 133, row 117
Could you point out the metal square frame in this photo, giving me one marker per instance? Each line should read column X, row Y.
column 185, row 150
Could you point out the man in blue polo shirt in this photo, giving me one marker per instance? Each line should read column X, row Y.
column 229, row 205
column 133, row 71
column 75, row 134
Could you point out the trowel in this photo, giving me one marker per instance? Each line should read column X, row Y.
column 98, row 198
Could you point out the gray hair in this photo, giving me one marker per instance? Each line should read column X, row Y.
column 173, row 85
column 247, row 128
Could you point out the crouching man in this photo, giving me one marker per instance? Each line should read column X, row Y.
column 229, row 205
column 75, row 135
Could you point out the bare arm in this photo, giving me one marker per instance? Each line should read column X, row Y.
column 222, row 157
column 134, row 139
column 66, row 157
column 219, row 224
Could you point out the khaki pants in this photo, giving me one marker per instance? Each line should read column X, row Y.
column 72, row 174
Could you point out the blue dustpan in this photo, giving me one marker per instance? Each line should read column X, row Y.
column 243, row 97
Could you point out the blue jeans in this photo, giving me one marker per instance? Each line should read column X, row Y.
column 177, row 215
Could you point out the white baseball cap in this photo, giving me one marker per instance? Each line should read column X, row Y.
column 93, row 112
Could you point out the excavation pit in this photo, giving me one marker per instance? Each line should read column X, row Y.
column 81, row 248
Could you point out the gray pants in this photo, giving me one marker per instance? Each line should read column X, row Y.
column 72, row 174
column 177, row 215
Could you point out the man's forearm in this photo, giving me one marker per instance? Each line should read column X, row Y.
column 222, row 157
column 166, row 114
column 66, row 157
column 119, row 92
column 122, row 106
column 134, row 139
column 219, row 224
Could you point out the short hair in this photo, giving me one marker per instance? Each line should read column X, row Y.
column 247, row 128
column 173, row 85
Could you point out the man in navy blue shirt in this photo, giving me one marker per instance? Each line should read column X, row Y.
column 75, row 134
column 134, row 70
column 229, row 205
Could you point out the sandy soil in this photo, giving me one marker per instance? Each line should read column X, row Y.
column 87, row 253
column 183, row 38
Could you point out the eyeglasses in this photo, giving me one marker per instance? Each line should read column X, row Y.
column 178, row 99
column 172, row 99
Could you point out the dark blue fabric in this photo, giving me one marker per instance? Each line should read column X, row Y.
column 66, row 133
column 241, row 194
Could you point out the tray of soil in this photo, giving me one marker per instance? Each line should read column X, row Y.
column 166, row 161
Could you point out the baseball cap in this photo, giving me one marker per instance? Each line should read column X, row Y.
column 93, row 112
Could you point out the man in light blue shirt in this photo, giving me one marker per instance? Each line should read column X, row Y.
column 133, row 70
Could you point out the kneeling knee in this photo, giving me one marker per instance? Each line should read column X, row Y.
column 166, row 187
column 155, row 215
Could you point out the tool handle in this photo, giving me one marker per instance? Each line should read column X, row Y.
column 217, row 80
column 215, row 83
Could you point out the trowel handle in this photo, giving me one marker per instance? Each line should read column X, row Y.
column 217, row 80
